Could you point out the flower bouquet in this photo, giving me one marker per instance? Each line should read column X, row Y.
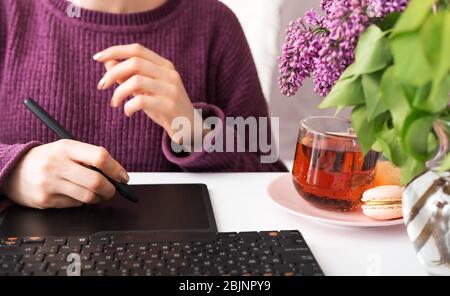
column 389, row 60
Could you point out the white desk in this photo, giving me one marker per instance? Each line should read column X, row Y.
column 240, row 203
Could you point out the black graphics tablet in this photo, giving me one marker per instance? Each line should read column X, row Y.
column 161, row 208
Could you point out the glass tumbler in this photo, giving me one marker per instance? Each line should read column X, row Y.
column 330, row 170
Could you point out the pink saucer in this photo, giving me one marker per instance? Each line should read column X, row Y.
column 282, row 192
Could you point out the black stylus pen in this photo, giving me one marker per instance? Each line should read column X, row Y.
column 49, row 121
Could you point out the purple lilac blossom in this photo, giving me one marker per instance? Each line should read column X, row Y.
column 323, row 46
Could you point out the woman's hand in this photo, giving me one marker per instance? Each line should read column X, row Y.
column 152, row 81
column 55, row 176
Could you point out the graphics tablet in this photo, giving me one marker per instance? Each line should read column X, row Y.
column 165, row 208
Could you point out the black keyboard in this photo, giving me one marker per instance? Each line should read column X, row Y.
column 283, row 253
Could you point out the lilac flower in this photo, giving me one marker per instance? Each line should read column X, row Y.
column 322, row 47
column 381, row 8
column 296, row 62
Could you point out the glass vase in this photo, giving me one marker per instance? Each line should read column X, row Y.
column 426, row 210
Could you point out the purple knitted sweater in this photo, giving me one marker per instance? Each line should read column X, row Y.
column 47, row 55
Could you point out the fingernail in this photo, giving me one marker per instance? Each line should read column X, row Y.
column 101, row 84
column 98, row 56
column 124, row 176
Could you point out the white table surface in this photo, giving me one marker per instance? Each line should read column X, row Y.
column 241, row 203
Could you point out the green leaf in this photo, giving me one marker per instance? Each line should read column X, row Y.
column 433, row 145
column 445, row 56
column 346, row 92
column 438, row 99
column 416, row 135
column 389, row 141
column 372, row 93
column 394, row 99
column 419, row 97
column 372, row 53
column 349, row 72
column 413, row 17
column 410, row 63
column 389, row 21
column 410, row 170
column 432, row 39
column 366, row 129
column 446, row 164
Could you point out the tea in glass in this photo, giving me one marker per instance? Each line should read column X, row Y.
column 330, row 170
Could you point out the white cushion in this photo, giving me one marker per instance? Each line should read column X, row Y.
column 260, row 20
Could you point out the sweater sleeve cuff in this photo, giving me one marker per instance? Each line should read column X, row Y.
column 10, row 155
column 191, row 160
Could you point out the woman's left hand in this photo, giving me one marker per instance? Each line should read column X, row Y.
column 152, row 81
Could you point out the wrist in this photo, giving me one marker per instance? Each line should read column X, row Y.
column 188, row 129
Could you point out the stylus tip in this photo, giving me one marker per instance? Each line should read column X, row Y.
column 127, row 192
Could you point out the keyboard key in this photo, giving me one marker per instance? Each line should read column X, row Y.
column 58, row 266
column 116, row 272
column 10, row 266
column 288, row 242
column 47, row 249
column 269, row 234
column 10, row 243
column 137, row 272
column 69, row 249
column 249, row 253
column 293, row 257
column 137, row 247
column 33, row 240
column 54, row 240
column 34, row 266
column 187, row 271
column 93, row 273
column 6, row 239
column 55, row 258
column 281, row 269
column 309, row 269
column 77, row 240
column 295, row 234
column 31, row 258
column 106, row 265
column 44, row 273
column 249, row 235
column 16, row 250
column 105, row 240
column 87, row 265
column 10, row 258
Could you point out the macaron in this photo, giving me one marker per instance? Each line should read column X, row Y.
column 383, row 202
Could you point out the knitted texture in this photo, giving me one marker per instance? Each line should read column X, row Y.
column 47, row 55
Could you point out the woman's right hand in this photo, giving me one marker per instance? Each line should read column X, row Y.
column 56, row 175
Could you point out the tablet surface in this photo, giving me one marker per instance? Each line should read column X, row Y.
column 174, row 207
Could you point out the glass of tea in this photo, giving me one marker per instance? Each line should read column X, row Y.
column 330, row 170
